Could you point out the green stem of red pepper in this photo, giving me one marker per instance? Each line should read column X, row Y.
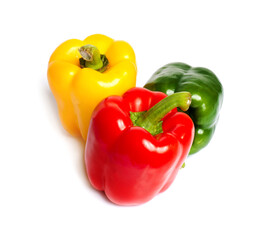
column 151, row 120
column 92, row 58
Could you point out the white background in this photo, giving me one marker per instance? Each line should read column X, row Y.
column 44, row 190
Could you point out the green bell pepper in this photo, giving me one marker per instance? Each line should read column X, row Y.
column 207, row 96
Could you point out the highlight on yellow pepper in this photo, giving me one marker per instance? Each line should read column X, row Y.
column 82, row 73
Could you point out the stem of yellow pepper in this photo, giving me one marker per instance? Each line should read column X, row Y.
column 92, row 58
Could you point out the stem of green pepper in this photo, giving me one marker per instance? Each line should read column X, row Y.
column 91, row 58
column 151, row 120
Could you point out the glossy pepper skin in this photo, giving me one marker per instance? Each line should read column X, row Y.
column 207, row 96
column 78, row 89
column 126, row 161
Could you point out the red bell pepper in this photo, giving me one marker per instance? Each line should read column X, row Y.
column 137, row 143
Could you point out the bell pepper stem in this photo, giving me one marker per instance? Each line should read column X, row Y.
column 92, row 58
column 151, row 120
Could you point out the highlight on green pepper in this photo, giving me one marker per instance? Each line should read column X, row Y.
column 207, row 96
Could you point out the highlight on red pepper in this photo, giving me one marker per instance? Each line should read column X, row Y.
column 137, row 143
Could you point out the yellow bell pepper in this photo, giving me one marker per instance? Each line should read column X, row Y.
column 82, row 73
